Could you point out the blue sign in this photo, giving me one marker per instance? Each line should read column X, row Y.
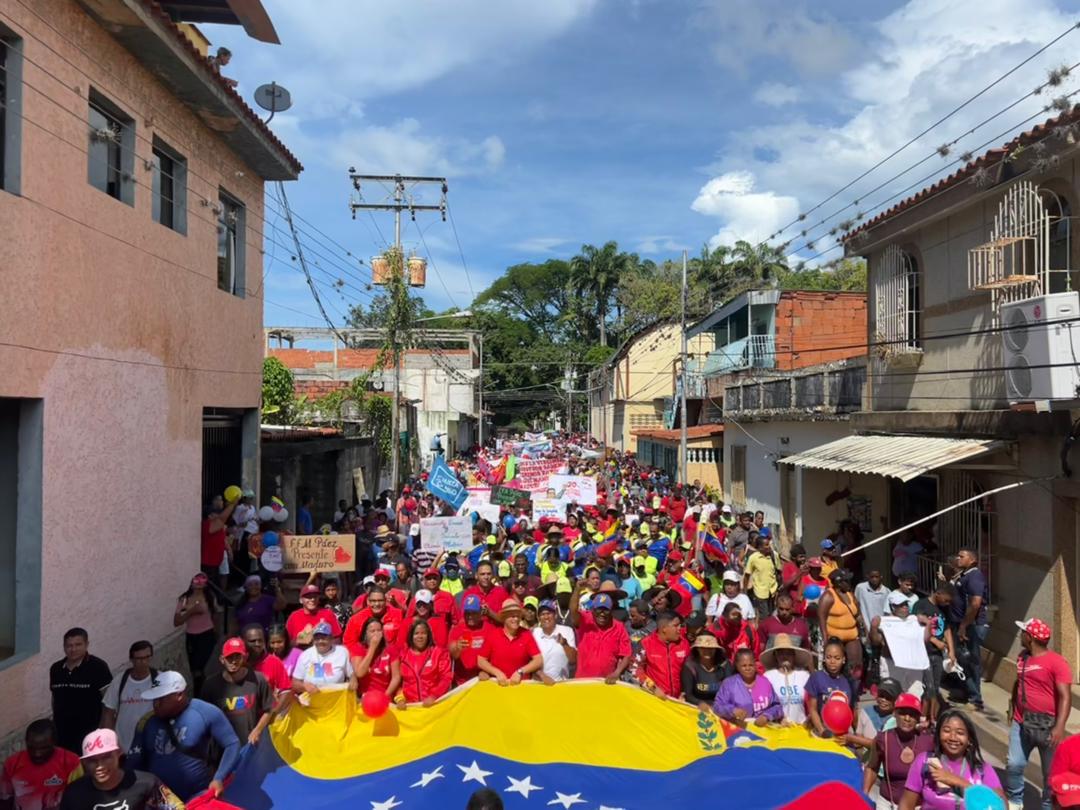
column 442, row 483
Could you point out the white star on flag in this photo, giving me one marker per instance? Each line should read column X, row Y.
column 427, row 778
column 566, row 799
column 522, row 786
column 474, row 773
column 605, row 807
column 389, row 804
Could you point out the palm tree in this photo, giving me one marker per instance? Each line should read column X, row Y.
column 714, row 272
column 754, row 263
column 595, row 273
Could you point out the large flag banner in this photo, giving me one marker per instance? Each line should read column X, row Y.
column 442, row 483
column 515, row 740
column 579, row 489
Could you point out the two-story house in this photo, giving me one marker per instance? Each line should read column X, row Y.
column 131, row 214
column 781, row 378
column 974, row 335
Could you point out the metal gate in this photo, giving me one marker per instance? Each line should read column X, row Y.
column 969, row 526
column 222, row 460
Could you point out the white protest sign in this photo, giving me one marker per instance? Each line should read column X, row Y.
column 548, row 508
column 579, row 489
column 446, row 533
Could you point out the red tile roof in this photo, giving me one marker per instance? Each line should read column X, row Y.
column 987, row 161
column 695, row 432
column 253, row 117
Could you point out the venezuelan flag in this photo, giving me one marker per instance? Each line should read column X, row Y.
column 579, row 745
column 690, row 583
column 611, row 530
column 712, row 545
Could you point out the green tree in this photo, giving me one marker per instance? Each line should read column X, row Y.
column 377, row 311
column 538, row 293
column 755, row 264
column 595, row 273
column 278, row 393
column 846, row 275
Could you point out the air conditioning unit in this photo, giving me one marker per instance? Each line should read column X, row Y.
column 1041, row 340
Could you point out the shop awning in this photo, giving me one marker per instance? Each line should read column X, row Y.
column 903, row 457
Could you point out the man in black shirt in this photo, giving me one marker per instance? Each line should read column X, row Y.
column 105, row 784
column 77, row 683
column 243, row 694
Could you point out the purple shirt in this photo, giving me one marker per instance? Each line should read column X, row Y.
column 258, row 611
column 890, row 749
column 933, row 797
column 757, row 700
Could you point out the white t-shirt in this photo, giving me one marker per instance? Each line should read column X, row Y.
column 129, row 707
column 718, row 601
column 556, row 664
column 790, row 687
column 323, row 670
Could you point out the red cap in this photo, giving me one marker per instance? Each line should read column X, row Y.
column 406, row 490
column 433, row 572
column 310, row 590
column 908, row 701
column 1037, row 629
column 675, row 556
column 1066, row 788
column 234, row 646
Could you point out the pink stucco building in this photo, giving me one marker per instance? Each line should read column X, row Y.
column 131, row 214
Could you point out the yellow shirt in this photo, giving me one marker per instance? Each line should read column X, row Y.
column 762, row 572
column 827, row 567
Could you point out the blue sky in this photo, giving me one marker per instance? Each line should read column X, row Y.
column 662, row 124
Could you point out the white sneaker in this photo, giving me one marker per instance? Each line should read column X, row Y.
column 1015, row 806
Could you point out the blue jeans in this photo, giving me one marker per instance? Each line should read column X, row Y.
column 1019, row 753
column 976, row 635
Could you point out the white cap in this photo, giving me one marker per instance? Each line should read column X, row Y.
column 726, row 508
column 424, row 595
column 368, row 580
column 167, row 683
column 732, row 576
column 896, row 599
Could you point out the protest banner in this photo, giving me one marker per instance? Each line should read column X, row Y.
column 446, row 533
column 302, row 553
column 442, row 483
column 508, row 496
column 533, row 473
column 548, row 508
column 579, row 489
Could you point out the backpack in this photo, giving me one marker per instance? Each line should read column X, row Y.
column 124, row 680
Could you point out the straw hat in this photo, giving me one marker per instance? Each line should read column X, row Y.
column 510, row 607
column 782, row 641
column 612, row 590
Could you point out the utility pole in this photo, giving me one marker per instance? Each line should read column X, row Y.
column 682, row 364
column 401, row 202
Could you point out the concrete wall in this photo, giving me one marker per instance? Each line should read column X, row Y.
column 125, row 336
column 942, row 378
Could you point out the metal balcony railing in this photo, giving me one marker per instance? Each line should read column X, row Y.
column 752, row 351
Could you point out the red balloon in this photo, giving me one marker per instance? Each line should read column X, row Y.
column 836, row 715
column 375, row 702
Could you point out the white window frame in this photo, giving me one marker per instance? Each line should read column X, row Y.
column 898, row 301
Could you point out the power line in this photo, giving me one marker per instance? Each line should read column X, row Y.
column 464, row 264
column 802, row 216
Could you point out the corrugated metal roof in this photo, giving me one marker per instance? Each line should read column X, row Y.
column 903, row 457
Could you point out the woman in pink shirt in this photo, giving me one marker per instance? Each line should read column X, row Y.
column 937, row 780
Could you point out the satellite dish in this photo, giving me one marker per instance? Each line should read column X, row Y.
column 273, row 97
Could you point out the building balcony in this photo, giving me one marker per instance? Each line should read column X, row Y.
column 829, row 391
column 752, row 351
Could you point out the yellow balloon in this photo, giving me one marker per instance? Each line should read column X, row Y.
column 233, row 493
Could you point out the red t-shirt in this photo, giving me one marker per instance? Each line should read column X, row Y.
column 772, row 626
column 300, row 620
column 378, row 675
column 677, row 509
column 599, row 650
column 493, row 599
column 213, row 544
column 509, row 654
column 275, row 673
column 1041, row 674
column 37, row 787
column 1066, row 757
column 465, row 666
column 392, row 624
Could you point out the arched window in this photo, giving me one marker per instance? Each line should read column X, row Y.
column 898, row 300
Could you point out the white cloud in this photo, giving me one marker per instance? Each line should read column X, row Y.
column 746, row 214
column 777, row 30
column 404, row 147
column 659, row 244
column 776, row 94
column 540, row 244
column 916, row 65
column 336, row 56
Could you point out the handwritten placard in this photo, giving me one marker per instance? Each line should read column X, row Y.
column 548, row 508
column 508, row 496
column 301, row 553
column 446, row 533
